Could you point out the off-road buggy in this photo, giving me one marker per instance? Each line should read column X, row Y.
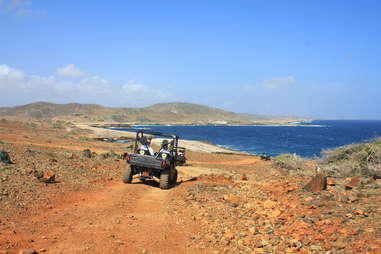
column 160, row 167
column 181, row 159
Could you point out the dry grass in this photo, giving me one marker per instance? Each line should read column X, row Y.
column 295, row 163
column 355, row 159
column 350, row 160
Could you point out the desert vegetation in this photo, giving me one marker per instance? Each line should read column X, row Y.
column 351, row 160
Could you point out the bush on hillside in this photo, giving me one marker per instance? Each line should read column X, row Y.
column 355, row 159
column 293, row 162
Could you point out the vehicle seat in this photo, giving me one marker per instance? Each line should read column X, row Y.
column 143, row 152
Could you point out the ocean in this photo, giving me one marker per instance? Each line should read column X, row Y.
column 307, row 140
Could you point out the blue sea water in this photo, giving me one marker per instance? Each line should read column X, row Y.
column 307, row 140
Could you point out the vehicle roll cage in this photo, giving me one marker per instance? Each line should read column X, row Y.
column 140, row 134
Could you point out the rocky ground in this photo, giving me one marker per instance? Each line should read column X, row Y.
column 223, row 203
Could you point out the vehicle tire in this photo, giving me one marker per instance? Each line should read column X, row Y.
column 127, row 175
column 174, row 180
column 164, row 180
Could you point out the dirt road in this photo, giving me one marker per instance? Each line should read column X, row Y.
column 117, row 218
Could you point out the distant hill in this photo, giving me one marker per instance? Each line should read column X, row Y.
column 162, row 113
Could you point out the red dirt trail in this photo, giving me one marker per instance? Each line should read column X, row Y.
column 118, row 218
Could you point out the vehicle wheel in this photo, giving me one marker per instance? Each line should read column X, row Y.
column 174, row 180
column 127, row 175
column 164, row 180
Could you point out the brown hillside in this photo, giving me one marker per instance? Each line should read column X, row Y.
column 162, row 113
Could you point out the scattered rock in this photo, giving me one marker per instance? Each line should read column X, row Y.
column 4, row 157
column 317, row 183
column 243, row 177
column 259, row 244
column 354, row 182
column 46, row 176
column 331, row 182
column 28, row 251
column 110, row 154
column 30, row 171
column 53, row 160
column 229, row 235
column 73, row 156
column 275, row 213
column 268, row 204
column 87, row 153
column 233, row 200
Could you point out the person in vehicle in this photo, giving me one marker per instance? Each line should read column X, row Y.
column 164, row 147
column 146, row 145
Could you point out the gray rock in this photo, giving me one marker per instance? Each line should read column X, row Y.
column 4, row 157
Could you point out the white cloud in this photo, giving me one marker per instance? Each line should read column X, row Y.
column 17, row 88
column 70, row 71
column 19, row 8
column 7, row 72
column 279, row 82
column 145, row 93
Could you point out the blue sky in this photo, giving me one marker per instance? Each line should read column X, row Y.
column 319, row 59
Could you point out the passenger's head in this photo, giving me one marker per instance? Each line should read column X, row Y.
column 149, row 139
column 164, row 144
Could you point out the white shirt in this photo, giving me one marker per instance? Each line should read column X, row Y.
column 162, row 150
column 148, row 148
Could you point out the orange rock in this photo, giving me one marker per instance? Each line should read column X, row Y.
column 347, row 231
column 327, row 246
column 291, row 250
column 275, row 213
column 243, row 177
column 317, row 183
column 293, row 204
column 233, row 199
column 308, row 199
column 375, row 246
column 29, row 171
column 331, row 182
column 28, row 251
column 331, row 229
column 229, row 235
column 301, row 224
column 299, row 236
column 268, row 204
column 48, row 177
column 354, row 182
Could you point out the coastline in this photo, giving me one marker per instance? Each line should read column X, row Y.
column 259, row 123
column 191, row 145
